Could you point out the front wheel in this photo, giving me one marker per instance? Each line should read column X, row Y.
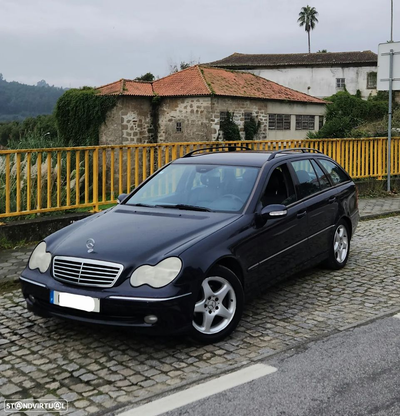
column 219, row 306
column 339, row 249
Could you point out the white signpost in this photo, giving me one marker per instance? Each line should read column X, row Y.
column 388, row 79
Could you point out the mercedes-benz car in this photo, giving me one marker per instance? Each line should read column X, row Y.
column 183, row 250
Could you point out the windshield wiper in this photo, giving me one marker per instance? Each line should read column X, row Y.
column 142, row 205
column 184, row 206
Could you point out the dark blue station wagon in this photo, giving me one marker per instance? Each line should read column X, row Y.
column 183, row 251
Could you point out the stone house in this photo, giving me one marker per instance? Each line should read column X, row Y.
column 189, row 105
column 317, row 74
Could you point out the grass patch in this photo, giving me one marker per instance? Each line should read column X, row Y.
column 11, row 245
column 7, row 287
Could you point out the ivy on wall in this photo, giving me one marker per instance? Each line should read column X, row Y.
column 229, row 128
column 251, row 128
column 79, row 114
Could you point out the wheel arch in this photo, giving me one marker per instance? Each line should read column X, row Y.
column 233, row 265
column 349, row 225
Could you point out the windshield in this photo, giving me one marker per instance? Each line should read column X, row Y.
column 198, row 187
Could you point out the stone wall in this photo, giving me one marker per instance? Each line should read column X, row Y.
column 237, row 107
column 129, row 122
column 193, row 115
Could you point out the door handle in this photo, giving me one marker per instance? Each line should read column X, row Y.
column 301, row 214
column 332, row 199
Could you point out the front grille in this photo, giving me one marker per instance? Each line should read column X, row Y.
column 86, row 272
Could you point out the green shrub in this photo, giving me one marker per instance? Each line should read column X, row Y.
column 230, row 129
column 346, row 112
column 251, row 128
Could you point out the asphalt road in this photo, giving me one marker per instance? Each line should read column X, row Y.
column 355, row 372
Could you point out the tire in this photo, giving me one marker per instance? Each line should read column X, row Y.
column 219, row 306
column 339, row 249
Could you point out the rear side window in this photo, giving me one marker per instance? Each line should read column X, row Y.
column 334, row 171
column 308, row 182
column 323, row 179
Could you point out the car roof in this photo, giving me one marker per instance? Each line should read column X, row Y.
column 240, row 158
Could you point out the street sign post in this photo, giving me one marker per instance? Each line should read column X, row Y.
column 388, row 79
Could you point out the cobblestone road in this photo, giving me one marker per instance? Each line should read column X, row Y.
column 96, row 369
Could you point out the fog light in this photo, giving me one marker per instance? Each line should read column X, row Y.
column 150, row 319
column 31, row 298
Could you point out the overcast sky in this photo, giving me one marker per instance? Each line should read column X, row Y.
column 71, row 43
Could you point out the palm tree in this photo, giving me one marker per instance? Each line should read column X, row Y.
column 308, row 19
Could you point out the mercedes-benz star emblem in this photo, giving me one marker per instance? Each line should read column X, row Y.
column 90, row 245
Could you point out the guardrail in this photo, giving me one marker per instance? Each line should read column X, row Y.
column 56, row 179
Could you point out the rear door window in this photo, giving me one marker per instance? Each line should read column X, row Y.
column 335, row 172
column 308, row 182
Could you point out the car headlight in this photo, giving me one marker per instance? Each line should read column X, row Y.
column 40, row 258
column 159, row 275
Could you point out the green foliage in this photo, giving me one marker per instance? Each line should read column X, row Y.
column 12, row 132
column 346, row 112
column 251, row 128
column 37, row 141
column 146, row 77
column 230, row 129
column 18, row 101
column 155, row 115
column 79, row 114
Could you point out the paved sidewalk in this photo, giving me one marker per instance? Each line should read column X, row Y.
column 370, row 207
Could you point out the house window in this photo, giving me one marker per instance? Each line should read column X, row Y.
column 178, row 126
column 305, row 122
column 340, row 82
column 247, row 116
column 371, row 80
column 279, row 122
column 222, row 116
column 321, row 122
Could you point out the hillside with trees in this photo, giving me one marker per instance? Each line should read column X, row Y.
column 19, row 101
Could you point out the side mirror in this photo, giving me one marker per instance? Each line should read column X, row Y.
column 274, row 211
column 121, row 198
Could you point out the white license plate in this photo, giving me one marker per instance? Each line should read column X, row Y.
column 70, row 300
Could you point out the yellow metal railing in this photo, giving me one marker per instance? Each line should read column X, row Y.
column 57, row 179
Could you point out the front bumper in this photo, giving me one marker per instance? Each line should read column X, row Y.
column 174, row 313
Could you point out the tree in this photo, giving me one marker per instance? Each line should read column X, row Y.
column 146, row 77
column 173, row 67
column 42, row 83
column 308, row 19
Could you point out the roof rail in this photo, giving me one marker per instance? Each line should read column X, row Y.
column 303, row 150
column 234, row 146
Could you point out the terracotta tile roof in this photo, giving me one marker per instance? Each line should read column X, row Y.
column 138, row 88
column 241, row 60
column 200, row 80
column 182, row 83
column 246, row 85
column 127, row 87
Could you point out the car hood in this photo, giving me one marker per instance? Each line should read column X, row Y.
column 133, row 236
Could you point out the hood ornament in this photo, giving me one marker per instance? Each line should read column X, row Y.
column 90, row 245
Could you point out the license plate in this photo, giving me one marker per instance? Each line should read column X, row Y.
column 70, row 300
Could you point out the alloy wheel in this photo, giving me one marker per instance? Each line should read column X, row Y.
column 216, row 306
column 341, row 244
